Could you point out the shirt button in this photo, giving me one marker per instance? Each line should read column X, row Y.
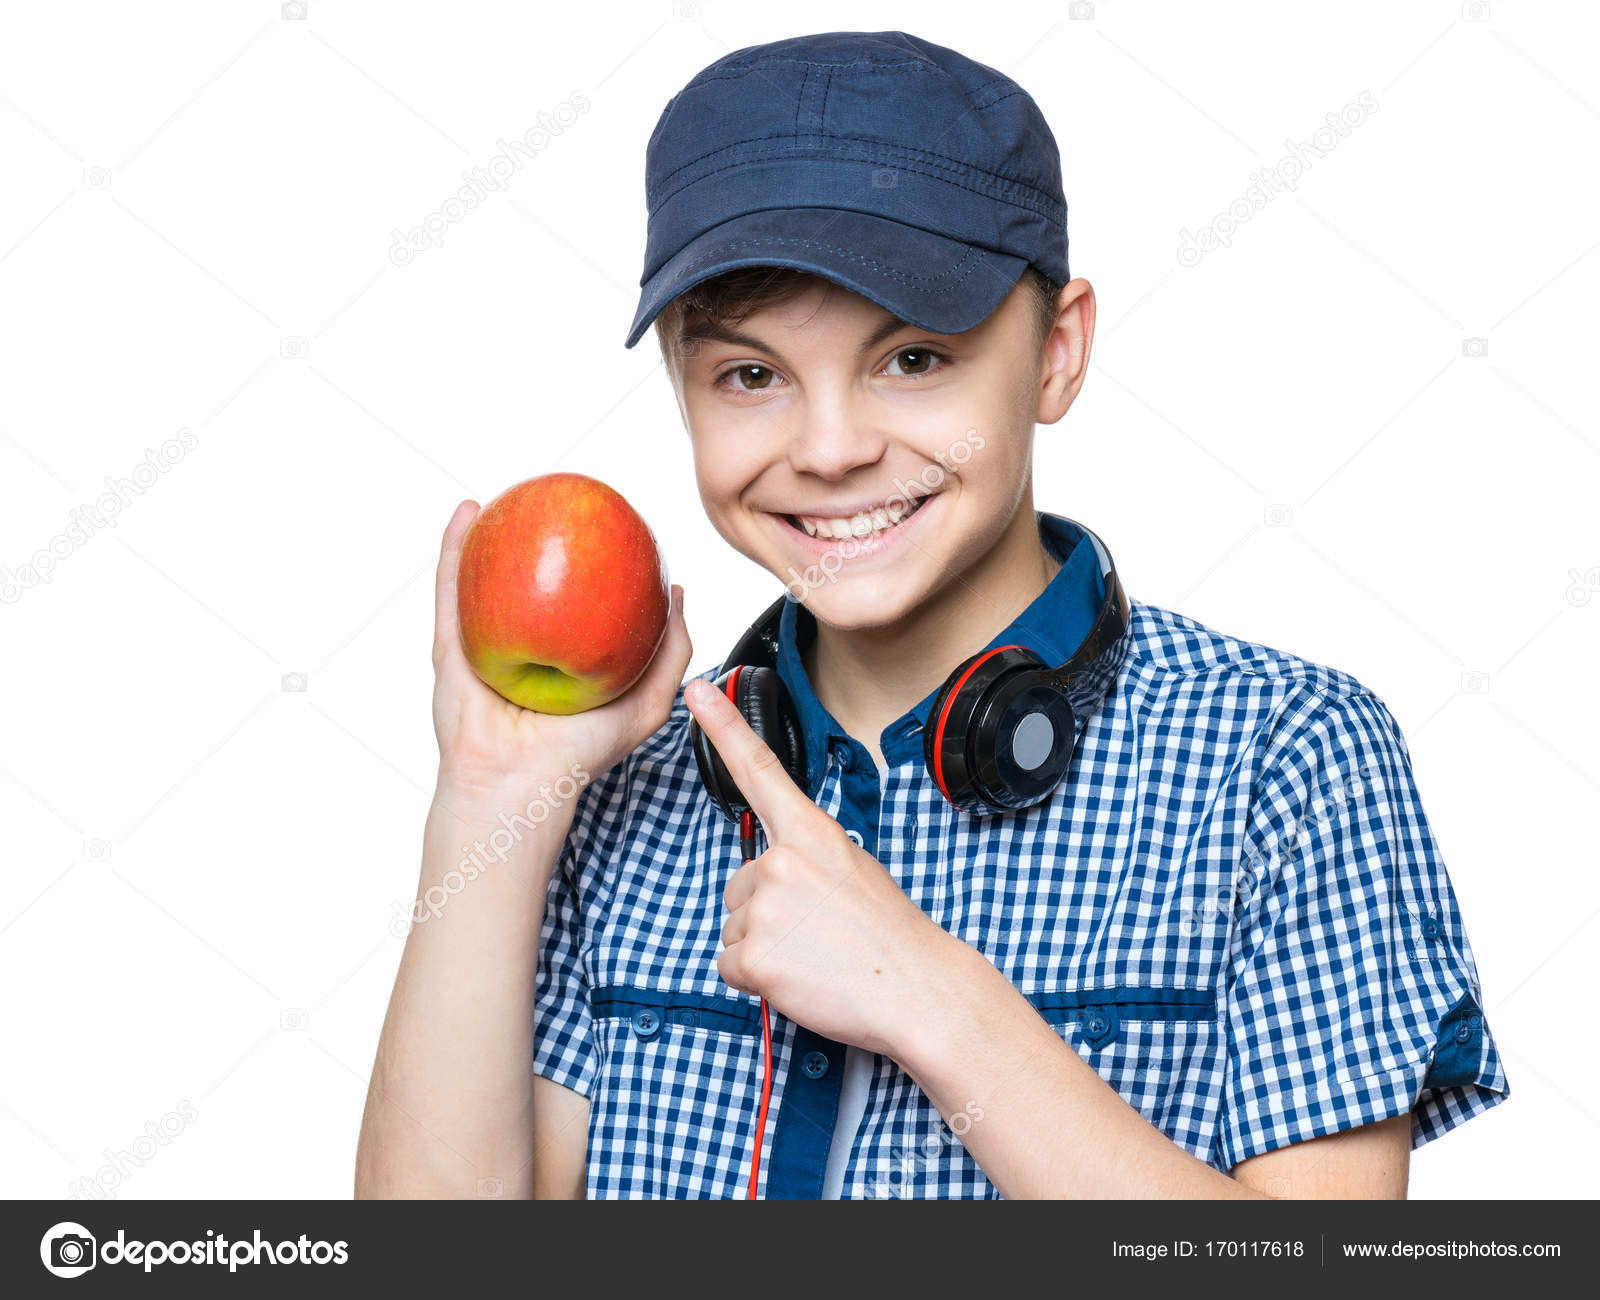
column 1463, row 1032
column 846, row 759
column 1100, row 1026
column 855, row 838
column 1431, row 929
column 646, row 1025
column 815, row 1065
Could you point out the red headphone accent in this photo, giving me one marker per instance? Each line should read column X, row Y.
column 938, row 738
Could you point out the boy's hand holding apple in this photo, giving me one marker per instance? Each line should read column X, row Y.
column 557, row 594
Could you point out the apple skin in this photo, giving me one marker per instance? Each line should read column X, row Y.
column 562, row 594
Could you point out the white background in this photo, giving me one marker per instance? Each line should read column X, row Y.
column 1288, row 441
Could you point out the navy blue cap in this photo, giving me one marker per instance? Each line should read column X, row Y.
column 902, row 170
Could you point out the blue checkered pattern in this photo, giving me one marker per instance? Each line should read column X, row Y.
column 1233, row 908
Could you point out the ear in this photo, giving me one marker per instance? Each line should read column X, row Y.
column 1065, row 360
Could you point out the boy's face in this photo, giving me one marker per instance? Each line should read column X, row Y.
column 824, row 406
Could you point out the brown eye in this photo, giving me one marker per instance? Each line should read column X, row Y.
column 754, row 377
column 913, row 362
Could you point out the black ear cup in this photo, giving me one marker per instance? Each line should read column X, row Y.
column 1000, row 732
column 764, row 701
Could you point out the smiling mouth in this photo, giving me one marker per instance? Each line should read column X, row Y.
column 874, row 523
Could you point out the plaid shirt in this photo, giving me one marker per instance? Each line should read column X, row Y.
column 1232, row 908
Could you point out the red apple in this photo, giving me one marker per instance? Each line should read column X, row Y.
column 562, row 594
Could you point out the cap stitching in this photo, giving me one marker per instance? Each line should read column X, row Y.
column 1054, row 221
column 776, row 143
column 799, row 100
column 1000, row 99
column 731, row 72
column 905, row 158
column 968, row 260
column 997, row 81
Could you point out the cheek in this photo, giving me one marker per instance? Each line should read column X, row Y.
column 719, row 491
column 982, row 439
column 725, row 464
column 724, row 470
column 995, row 400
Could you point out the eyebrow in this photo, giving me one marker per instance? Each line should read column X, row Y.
column 715, row 333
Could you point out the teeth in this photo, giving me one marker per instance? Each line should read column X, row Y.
column 867, row 524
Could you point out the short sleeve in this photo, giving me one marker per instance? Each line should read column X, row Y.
column 1352, row 995
column 563, row 1029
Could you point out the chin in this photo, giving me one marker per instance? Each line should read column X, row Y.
column 851, row 604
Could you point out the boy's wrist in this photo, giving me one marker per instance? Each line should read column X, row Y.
column 522, row 806
column 947, row 974
column 488, row 866
column 472, row 830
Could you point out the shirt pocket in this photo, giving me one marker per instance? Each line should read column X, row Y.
column 1157, row 1047
column 671, row 1113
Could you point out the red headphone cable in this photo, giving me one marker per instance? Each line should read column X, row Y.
column 747, row 845
column 747, row 851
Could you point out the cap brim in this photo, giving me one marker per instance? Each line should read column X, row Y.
column 927, row 280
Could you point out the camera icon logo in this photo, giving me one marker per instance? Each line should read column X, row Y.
column 293, row 1018
column 96, row 178
column 686, row 11
column 1080, row 9
column 68, row 1250
column 1475, row 683
column 402, row 919
column 1278, row 516
column 97, row 850
column 293, row 681
column 885, row 178
column 1584, row 585
column 294, row 348
column 292, row 9
column 1474, row 347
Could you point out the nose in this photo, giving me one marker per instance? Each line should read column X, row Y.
column 833, row 439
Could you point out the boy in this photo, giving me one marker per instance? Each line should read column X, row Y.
column 1219, row 956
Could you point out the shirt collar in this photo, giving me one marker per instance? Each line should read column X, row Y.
column 1053, row 626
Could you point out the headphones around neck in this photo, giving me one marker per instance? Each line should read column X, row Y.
column 1001, row 731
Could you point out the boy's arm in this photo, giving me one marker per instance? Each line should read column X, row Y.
column 451, row 1106
column 1372, row 1162
column 560, row 1137
column 1051, row 1127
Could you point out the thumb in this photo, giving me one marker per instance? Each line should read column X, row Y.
column 653, row 694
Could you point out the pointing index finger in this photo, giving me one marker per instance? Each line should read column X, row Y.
column 759, row 773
